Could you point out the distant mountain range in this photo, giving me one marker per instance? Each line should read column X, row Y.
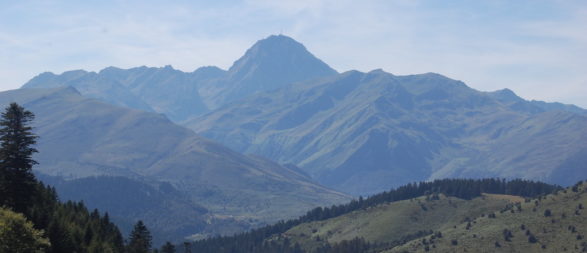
column 360, row 133
column 82, row 137
column 271, row 63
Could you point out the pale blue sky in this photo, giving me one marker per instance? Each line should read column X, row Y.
column 537, row 48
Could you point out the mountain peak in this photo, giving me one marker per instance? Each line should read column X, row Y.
column 207, row 72
column 271, row 49
column 279, row 49
column 505, row 95
column 278, row 42
column 273, row 62
column 506, row 92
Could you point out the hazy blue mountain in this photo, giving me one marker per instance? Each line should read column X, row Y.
column 556, row 106
column 207, row 74
column 365, row 132
column 50, row 80
column 359, row 132
column 509, row 98
column 166, row 90
column 91, row 85
column 83, row 137
column 269, row 64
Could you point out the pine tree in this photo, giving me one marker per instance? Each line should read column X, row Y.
column 168, row 248
column 140, row 239
column 187, row 247
column 17, row 182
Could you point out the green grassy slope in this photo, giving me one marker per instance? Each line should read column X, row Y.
column 391, row 222
column 564, row 230
column 384, row 220
column 491, row 223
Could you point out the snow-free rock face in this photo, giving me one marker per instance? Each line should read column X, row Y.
column 366, row 132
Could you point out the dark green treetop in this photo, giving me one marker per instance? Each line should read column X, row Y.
column 140, row 239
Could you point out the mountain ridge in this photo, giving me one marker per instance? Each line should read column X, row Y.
column 270, row 63
column 362, row 129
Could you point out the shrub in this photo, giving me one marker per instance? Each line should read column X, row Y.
column 532, row 239
column 17, row 234
column 507, row 235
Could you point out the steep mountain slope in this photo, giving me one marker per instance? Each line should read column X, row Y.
column 269, row 64
column 83, row 137
column 166, row 90
column 366, row 132
column 555, row 223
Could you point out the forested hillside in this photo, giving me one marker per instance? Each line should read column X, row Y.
column 168, row 212
column 276, row 238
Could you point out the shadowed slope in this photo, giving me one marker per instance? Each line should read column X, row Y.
column 83, row 137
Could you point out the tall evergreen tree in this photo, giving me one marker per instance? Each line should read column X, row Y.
column 140, row 239
column 17, row 182
column 168, row 248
